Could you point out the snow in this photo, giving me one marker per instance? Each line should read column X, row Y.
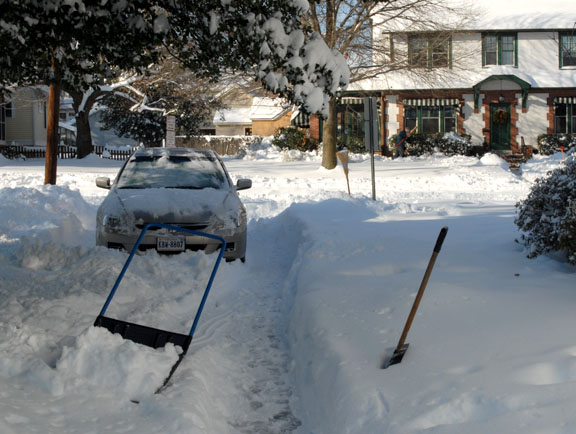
column 233, row 115
column 525, row 14
column 292, row 340
column 526, row 21
column 264, row 108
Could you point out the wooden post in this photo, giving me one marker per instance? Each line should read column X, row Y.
column 383, row 144
column 52, row 132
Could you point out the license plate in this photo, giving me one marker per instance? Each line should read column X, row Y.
column 170, row 244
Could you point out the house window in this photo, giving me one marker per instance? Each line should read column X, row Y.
column 567, row 50
column 499, row 49
column 2, row 123
column 565, row 118
column 248, row 131
column 9, row 109
column 429, row 51
column 431, row 119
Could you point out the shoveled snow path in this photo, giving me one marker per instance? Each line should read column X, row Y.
column 241, row 338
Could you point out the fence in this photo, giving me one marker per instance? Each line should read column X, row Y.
column 113, row 154
column 223, row 145
column 64, row 152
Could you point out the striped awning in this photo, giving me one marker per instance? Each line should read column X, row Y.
column 565, row 100
column 351, row 100
column 300, row 119
column 431, row 102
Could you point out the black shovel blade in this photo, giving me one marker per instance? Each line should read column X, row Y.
column 396, row 358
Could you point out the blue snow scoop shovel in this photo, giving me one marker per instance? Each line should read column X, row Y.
column 149, row 336
column 401, row 348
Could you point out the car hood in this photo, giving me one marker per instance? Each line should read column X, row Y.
column 172, row 206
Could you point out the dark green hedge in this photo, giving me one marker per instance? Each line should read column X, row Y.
column 426, row 144
column 549, row 144
column 293, row 138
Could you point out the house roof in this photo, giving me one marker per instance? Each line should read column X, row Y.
column 261, row 109
column 235, row 115
column 264, row 108
column 538, row 21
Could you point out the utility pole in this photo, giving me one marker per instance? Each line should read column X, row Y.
column 52, row 130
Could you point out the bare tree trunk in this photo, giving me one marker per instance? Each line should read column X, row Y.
column 52, row 134
column 330, row 137
column 83, row 135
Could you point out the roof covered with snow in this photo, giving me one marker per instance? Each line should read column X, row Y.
column 235, row 115
column 261, row 109
column 264, row 108
column 527, row 21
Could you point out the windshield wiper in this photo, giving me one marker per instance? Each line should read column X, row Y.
column 186, row 187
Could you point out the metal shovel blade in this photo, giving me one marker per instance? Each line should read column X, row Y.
column 396, row 358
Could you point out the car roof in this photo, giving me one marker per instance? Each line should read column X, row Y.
column 174, row 151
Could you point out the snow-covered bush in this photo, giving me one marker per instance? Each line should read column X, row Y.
column 549, row 144
column 11, row 153
column 355, row 145
column 293, row 138
column 547, row 217
column 427, row 144
column 453, row 144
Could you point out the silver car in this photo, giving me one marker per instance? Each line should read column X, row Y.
column 187, row 188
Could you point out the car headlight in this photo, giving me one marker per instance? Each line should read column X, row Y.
column 241, row 217
column 111, row 223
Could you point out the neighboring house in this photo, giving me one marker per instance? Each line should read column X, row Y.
column 234, row 120
column 251, row 112
column 24, row 117
column 268, row 115
column 23, row 121
column 504, row 82
column 102, row 137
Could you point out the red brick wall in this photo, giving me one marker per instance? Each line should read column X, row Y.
column 314, row 127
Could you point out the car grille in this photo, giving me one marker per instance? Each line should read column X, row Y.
column 189, row 226
column 230, row 247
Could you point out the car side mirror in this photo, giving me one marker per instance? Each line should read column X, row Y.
column 103, row 182
column 243, row 184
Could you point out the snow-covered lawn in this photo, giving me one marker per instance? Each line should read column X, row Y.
column 292, row 340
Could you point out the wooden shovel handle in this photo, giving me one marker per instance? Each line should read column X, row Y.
column 431, row 263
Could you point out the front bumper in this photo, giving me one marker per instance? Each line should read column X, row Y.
column 235, row 243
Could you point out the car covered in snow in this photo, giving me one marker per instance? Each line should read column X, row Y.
column 182, row 187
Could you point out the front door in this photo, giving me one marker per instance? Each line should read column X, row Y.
column 500, row 126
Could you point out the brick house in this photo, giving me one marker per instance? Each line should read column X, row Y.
column 504, row 82
column 251, row 112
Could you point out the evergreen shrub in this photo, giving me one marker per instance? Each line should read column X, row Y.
column 549, row 144
column 427, row 144
column 293, row 138
column 10, row 153
column 547, row 217
column 355, row 145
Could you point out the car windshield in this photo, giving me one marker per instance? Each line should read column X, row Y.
column 190, row 171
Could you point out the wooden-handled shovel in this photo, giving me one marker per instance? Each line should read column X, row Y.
column 402, row 347
column 344, row 157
